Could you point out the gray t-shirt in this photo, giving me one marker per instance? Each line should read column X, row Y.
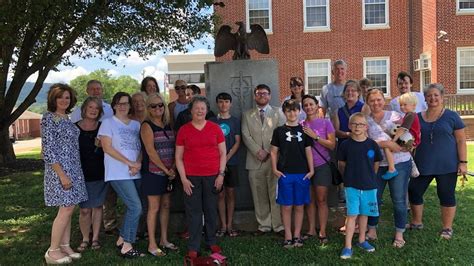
column 178, row 108
column 331, row 98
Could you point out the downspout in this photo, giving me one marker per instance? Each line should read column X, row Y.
column 410, row 37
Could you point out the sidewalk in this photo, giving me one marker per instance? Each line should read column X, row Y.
column 26, row 145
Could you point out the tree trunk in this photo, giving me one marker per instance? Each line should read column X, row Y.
column 6, row 147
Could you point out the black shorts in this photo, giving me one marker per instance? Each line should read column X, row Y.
column 231, row 178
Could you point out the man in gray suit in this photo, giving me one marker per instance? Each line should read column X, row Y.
column 258, row 124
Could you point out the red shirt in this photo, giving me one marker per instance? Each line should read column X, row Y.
column 415, row 128
column 201, row 151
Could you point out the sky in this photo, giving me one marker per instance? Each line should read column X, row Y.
column 132, row 65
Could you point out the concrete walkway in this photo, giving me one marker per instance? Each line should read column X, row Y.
column 21, row 146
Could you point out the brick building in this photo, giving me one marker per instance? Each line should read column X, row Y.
column 433, row 40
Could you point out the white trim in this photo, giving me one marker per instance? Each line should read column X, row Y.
column 387, row 75
column 467, row 11
column 317, row 28
column 458, row 73
column 422, row 72
column 247, row 17
column 306, row 62
column 385, row 25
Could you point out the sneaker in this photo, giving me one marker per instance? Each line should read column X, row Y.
column 389, row 175
column 366, row 246
column 346, row 253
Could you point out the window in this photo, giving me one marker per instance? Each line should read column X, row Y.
column 375, row 14
column 316, row 14
column 259, row 12
column 425, row 79
column 377, row 69
column 464, row 7
column 188, row 77
column 465, row 69
column 317, row 74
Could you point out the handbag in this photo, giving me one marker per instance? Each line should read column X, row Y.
column 414, row 170
column 336, row 177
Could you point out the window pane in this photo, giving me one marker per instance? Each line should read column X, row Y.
column 378, row 81
column 318, row 76
column 466, row 4
column 315, row 85
column 375, row 14
column 466, row 58
column 316, row 16
column 425, row 78
column 258, row 4
column 260, row 17
column 467, row 77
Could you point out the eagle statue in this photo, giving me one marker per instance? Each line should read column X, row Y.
column 241, row 41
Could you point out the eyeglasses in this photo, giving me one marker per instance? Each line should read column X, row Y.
column 182, row 87
column 262, row 94
column 123, row 104
column 154, row 105
column 358, row 124
column 296, row 85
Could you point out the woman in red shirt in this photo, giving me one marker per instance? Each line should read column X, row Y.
column 201, row 160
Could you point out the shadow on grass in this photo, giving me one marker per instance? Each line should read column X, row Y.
column 25, row 226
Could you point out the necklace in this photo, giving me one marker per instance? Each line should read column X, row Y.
column 434, row 124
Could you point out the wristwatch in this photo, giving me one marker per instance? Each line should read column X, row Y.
column 462, row 161
column 317, row 138
column 221, row 173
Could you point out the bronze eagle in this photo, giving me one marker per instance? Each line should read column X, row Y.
column 241, row 41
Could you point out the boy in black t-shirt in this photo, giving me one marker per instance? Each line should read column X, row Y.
column 359, row 159
column 292, row 163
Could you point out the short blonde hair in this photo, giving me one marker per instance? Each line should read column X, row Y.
column 372, row 92
column 357, row 115
column 166, row 114
column 408, row 98
column 87, row 102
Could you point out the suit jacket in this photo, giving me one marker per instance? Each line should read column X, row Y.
column 257, row 135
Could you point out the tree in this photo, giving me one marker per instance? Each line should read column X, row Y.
column 38, row 35
column 111, row 85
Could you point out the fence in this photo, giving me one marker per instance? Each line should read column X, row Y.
column 462, row 104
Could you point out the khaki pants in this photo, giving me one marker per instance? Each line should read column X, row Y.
column 263, row 185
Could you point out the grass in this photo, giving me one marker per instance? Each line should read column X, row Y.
column 25, row 226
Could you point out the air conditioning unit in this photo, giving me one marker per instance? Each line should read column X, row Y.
column 425, row 63
column 416, row 65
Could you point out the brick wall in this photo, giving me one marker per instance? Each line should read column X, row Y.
column 291, row 46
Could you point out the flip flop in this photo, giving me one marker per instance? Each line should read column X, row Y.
column 221, row 233
column 307, row 236
column 233, row 233
column 446, row 233
column 398, row 243
column 323, row 240
column 157, row 253
column 169, row 246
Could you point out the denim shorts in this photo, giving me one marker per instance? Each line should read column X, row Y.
column 293, row 190
column 361, row 202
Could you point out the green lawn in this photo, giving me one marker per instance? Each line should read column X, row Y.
column 25, row 227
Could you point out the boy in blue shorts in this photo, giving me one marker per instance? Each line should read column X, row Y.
column 359, row 159
column 292, row 163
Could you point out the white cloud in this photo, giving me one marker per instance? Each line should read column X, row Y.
column 64, row 75
column 134, row 59
column 113, row 72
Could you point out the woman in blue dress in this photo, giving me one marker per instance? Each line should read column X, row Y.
column 64, row 184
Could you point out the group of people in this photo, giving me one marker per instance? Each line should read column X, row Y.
column 136, row 147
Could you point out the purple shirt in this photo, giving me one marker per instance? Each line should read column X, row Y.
column 322, row 127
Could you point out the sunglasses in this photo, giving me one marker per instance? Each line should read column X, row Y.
column 180, row 87
column 154, row 105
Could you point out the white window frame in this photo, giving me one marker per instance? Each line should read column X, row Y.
column 423, row 70
column 270, row 20
column 458, row 71
column 306, row 76
column 385, row 25
column 387, row 75
column 317, row 28
column 459, row 11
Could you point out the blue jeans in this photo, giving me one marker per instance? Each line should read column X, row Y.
column 398, row 192
column 128, row 191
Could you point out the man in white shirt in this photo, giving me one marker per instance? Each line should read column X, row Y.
column 404, row 84
column 94, row 88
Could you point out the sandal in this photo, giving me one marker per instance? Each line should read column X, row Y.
column 233, row 233
column 221, row 232
column 446, row 233
column 132, row 254
column 157, row 253
column 83, row 246
column 169, row 246
column 370, row 238
column 95, row 245
column 415, row 226
column 297, row 242
column 323, row 240
column 307, row 236
column 288, row 244
column 398, row 243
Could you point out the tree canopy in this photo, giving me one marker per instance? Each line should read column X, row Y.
column 110, row 84
column 38, row 35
